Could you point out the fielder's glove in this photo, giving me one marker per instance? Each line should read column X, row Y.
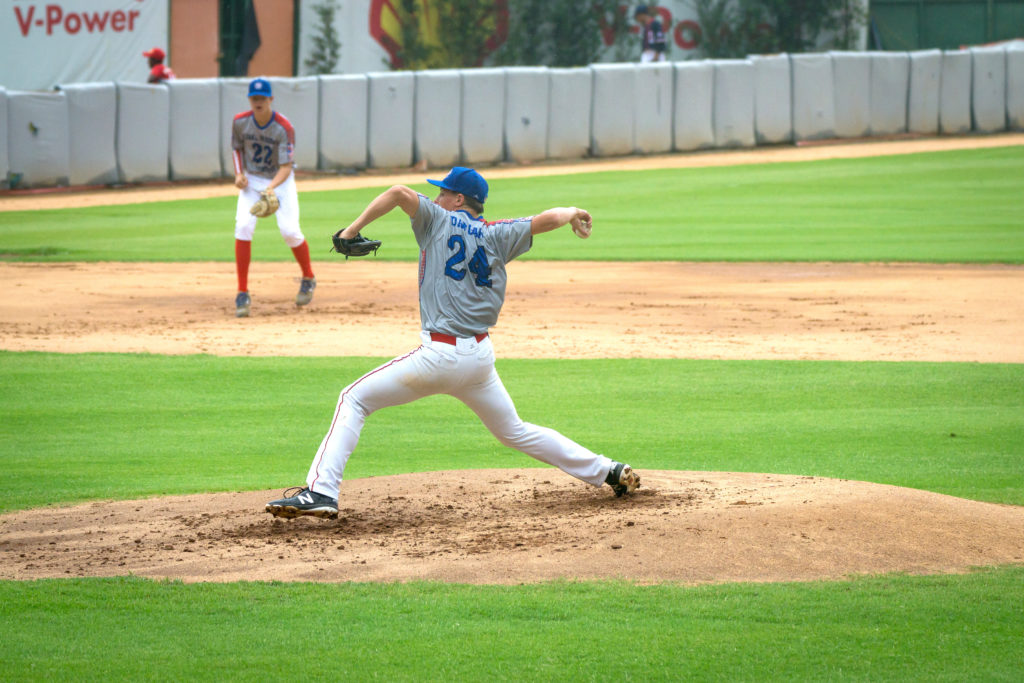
column 357, row 246
column 266, row 205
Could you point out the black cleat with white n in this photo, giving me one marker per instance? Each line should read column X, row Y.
column 301, row 501
column 622, row 479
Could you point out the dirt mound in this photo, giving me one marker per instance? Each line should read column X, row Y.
column 523, row 526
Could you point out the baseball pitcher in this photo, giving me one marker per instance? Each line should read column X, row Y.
column 462, row 280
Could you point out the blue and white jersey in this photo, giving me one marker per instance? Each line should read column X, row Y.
column 462, row 267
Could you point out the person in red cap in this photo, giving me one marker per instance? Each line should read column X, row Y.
column 158, row 71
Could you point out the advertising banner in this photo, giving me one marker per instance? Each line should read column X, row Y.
column 43, row 44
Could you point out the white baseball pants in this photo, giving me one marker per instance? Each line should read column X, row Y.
column 287, row 214
column 465, row 371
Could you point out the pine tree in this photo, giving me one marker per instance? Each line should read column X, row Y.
column 326, row 47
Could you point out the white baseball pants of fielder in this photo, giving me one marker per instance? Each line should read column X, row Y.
column 287, row 214
column 465, row 371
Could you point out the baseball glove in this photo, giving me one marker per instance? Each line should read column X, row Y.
column 266, row 205
column 357, row 246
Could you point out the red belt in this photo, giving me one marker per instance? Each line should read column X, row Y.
column 449, row 339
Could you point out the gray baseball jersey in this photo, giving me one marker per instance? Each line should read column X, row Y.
column 264, row 149
column 462, row 267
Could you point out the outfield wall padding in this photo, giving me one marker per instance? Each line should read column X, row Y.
column 734, row 103
column 233, row 101
column 482, row 139
column 693, row 121
column 37, row 138
column 773, row 99
column 814, row 106
column 569, row 115
column 92, row 117
column 652, row 108
column 890, row 79
column 5, row 164
column 195, row 128
column 298, row 100
column 143, row 132
column 612, row 112
column 1015, row 85
column 955, row 92
column 392, row 96
column 988, row 89
column 437, row 116
column 851, row 73
column 526, row 113
column 923, row 91
column 344, row 108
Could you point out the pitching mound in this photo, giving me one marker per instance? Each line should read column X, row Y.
column 522, row 526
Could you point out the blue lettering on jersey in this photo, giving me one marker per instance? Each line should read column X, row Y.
column 461, row 224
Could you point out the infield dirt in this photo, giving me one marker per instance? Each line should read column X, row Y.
column 513, row 526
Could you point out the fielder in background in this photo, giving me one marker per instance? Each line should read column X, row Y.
column 653, row 46
column 263, row 148
column 158, row 73
column 462, row 282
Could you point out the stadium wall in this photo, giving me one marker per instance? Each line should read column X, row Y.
column 116, row 133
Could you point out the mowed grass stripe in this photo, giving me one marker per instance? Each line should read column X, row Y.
column 80, row 427
column 956, row 206
column 967, row 627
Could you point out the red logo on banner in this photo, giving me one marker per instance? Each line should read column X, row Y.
column 386, row 26
column 55, row 18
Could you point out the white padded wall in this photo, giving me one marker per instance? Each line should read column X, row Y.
column 851, row 72
column 37, row 138
column 612, row 109
column 92, row 113
column 890, row 79
column 734, row 103
column 955, row 92
column 773, row 99
column 652, row 108
column 693, row 121
column 391, row 118
column 483, row 116
column 1014, row 85
column 234, row 100
column 195, row 128
column 923, row 98
column 526, row 113
column 298, row 99
column 988, row 89
column 569, row 95
column 143, row 132
column 5, row 165
column 344, row 106
column 437, row 117
column 814, row 105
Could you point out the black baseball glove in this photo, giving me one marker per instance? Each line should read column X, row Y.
column 357, row 246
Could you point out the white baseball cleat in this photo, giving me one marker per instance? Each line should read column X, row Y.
column 622, row 479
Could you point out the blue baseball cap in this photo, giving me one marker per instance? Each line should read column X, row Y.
column 260, row 86
column 464, row 181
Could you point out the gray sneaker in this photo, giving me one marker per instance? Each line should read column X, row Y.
column 242, row 303
column 622, row 479
column 300, row 501
column 305, row 294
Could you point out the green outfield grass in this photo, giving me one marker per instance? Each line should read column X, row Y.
column 959, row 206
column 122, row 426
column 93, row 426
column 940, row 628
